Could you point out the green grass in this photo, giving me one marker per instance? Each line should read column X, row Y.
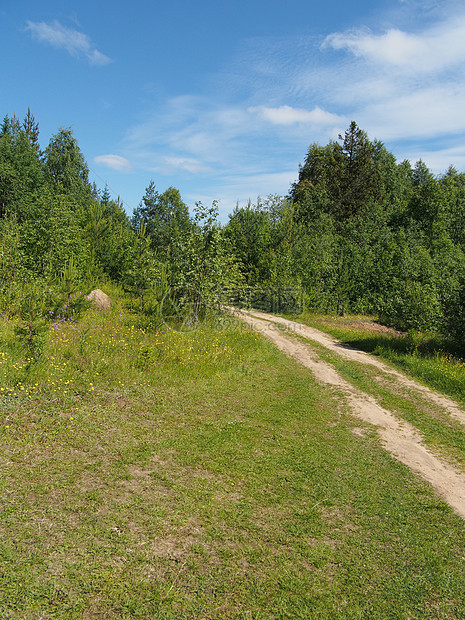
column 204, row 475
column 441, row 432
column 438, row 369
column 433, row 360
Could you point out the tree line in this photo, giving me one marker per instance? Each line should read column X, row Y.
column 59, row 231
column 358, row 232
column 363, row 233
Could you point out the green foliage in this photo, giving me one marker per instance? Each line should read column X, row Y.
column 452, row 201
column 203, row 265
column 359, row 232
column 71, row 301
column 11, row 257
column 51, row 235
column 249, row 230
column 262, row 237
column 142, row 271
column 108, row 238
column 342, row 177
column 31, row 304
column 412, row 305
column 64, row 165
column 380, row 237
column 69, row 278
column 20, row 164
column 165, row 216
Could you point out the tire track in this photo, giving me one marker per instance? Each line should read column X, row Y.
column 401, row 439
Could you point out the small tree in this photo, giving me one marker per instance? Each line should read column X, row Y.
column 204, row 265
column 142, row 269
column 31, row 329
column 64, row 165
column 11, row 259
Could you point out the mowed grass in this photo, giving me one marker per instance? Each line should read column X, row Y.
column 204, row 475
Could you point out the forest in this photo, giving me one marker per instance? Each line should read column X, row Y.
column 358, row 232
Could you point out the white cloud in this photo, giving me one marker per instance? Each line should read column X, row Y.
column 76, row 43
column 423, row 113
column 437, row 48
column 394, row 47
column 115, row 162
column 187, row 164
column 287, row 115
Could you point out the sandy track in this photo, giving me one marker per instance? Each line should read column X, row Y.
column 354, row 355
column 399, row 437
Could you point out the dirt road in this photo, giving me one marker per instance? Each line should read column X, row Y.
column 399, row 437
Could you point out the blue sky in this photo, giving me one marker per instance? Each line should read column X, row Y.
column 222, row 100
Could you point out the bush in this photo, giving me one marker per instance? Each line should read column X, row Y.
column 412, row 305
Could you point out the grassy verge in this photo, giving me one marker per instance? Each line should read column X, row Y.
column 442, row 433
column 436, row 362
column 204, row 475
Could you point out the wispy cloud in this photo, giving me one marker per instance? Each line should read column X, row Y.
column 438, row 160
column 191, row 133
column 287, row 115
column 115, row 162
column 219, row 151
column 435, row 49
column 187, row 164
column 246, row 136
column 76, row 43
column 424, row 113
column 239, row 188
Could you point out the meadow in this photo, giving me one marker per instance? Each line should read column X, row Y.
column 201, row 474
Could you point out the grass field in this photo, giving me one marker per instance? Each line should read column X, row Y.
column 204, row 475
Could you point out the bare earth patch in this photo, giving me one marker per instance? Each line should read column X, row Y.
column 364, row 325
column 399, row 437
